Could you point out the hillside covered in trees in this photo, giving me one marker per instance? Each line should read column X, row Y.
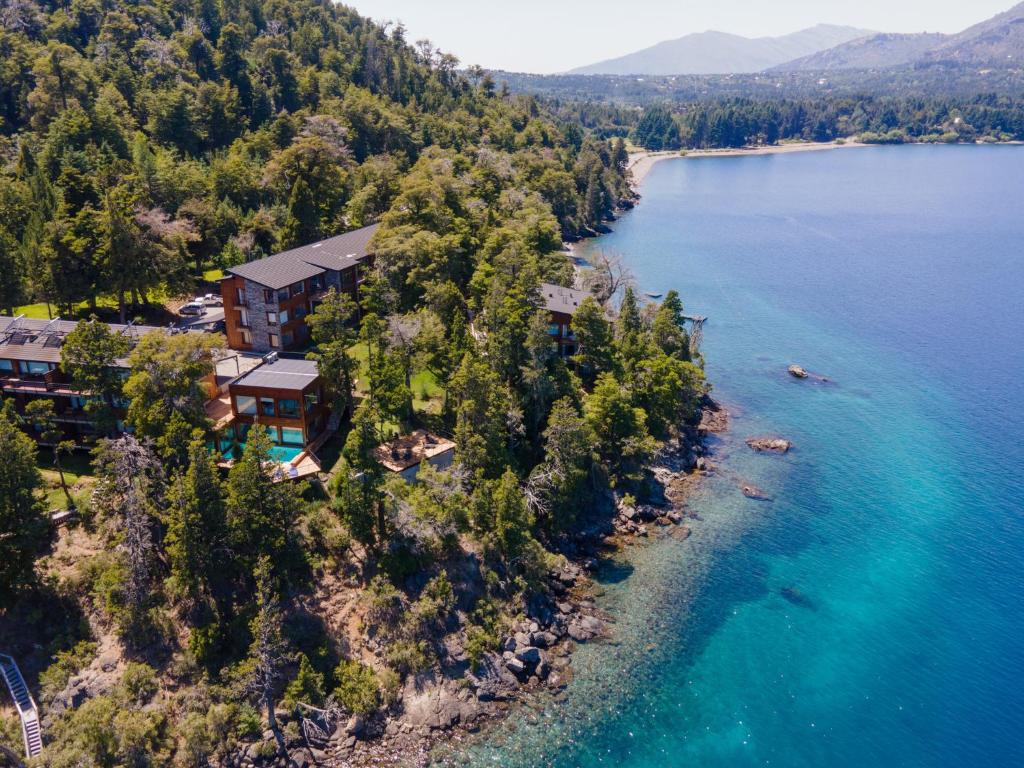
column 143, row 142
column 194, row 617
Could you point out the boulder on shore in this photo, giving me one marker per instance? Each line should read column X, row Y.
column 797, row 371
column 774, row 444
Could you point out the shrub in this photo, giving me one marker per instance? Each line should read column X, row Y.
column 138, row 683
column 306, row 687
column 356, row 688
column 407, row 657
column 248, row 723
column 67, row 664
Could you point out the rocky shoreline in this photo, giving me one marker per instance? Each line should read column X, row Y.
column 535, row 656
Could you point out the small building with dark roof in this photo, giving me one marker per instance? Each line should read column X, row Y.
column 266, row 301
column 561, row 304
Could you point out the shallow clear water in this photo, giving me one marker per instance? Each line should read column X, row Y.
column 896, row 528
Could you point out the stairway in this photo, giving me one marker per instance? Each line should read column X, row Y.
column 30, row 729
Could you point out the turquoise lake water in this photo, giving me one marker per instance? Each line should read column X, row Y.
column 872, row 614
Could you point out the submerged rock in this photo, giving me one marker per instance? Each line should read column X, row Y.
column 772, row 444
column 753, row 492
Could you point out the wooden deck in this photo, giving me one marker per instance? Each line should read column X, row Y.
column 219, row 411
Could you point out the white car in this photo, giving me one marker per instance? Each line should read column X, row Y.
column 192, row 308
column 212, row 300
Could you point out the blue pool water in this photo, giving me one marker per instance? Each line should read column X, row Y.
column 281, row 453
column 872, row 614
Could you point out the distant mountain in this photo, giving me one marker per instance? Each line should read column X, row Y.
column 721, row 53
column 874, row 52
column 997, row 42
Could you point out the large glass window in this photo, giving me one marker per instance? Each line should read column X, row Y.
column 297, row 289
column 553, row 329
column 38, row 369
column 267, row 406
column 245, row 404
column 284, row 316
column 282, row 295
column 289, row 408
column 291, row 436
column 6, row 365
column 311, row 401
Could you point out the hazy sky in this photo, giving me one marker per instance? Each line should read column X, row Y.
column 556, row 35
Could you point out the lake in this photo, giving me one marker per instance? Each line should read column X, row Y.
column 871, row 613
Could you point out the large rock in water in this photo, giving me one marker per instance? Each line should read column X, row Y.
column 773, row 444
column 797, row 371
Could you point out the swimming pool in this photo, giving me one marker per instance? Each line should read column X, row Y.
column 281, row 453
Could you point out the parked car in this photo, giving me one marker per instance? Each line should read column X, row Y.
column 192, row 308
column 212, row 300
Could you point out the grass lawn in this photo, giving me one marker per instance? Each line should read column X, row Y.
column 78, row 474
column 427, row 394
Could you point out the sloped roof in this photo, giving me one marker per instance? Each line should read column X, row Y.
column 559, row 299
column 283, row 269
column 281, row 374
column 40, row 341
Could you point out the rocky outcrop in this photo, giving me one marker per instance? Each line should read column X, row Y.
column 797, row 372
column 769, row 444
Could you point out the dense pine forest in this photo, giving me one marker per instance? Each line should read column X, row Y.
column 191, row 617
column 144, row 142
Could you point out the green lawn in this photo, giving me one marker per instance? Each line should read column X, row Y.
column 427, row 394
column 78, row 474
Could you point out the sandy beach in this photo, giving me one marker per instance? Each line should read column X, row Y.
column 640, row 163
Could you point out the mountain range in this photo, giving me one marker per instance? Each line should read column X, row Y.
column 708, row 53
column 996, row 42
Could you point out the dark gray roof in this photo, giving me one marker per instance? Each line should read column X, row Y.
column 281, row 374
column 40, row 341
column 559, row 299
column 283, row 269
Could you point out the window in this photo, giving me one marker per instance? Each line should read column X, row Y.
column 267, row 406
column 275, row 340
column 567, row 331
column 298, row 288
column 317, row 283
column 311, row 398
column 246, row 336
column 6, row 366
column 282, row 295
column 289, row 408
column 288, row 339
column 553, row 329
column 272, row 318
column 245, row 404
column 240, row 295
column 298, row 312
column 283, row 314
column 38, row 369
column 268, row 296
column 291, row 436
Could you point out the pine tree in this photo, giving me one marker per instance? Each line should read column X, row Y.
column 195, row 526
column 261, row 512
column 267, row 654
column 88, row 356
column 595, row 345
column 22, row 522
column 303, row 223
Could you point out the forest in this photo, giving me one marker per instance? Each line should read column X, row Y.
column 147, row 145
